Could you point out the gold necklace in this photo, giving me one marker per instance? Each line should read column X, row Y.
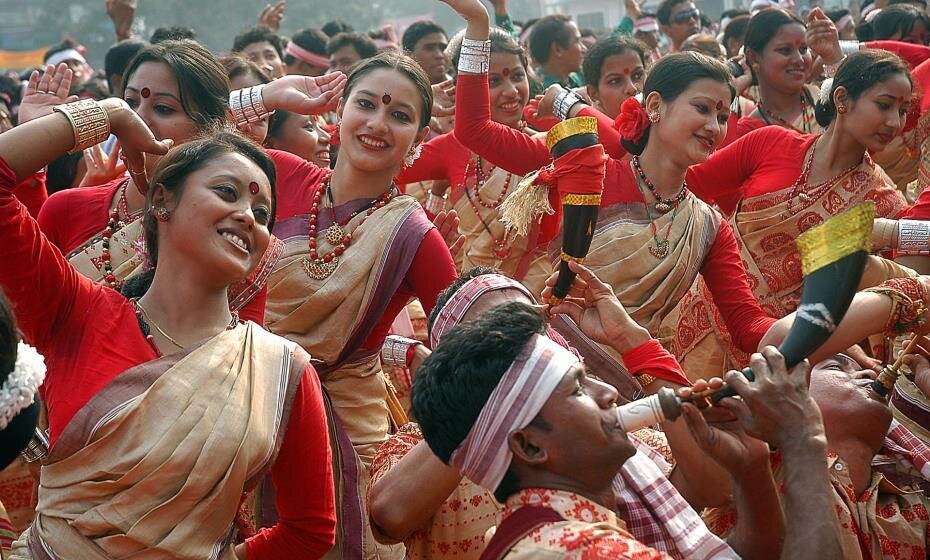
column 157, row 328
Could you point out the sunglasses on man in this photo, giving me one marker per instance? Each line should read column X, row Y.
column 685, row 17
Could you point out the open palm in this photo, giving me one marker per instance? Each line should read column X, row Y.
column 45, row 91
column 305, row 95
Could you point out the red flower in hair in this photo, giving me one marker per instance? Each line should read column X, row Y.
column 632, row 120
column 333, row 130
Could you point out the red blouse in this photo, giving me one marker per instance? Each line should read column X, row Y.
column 764, row 161
column 431, row 271
column 89, row 334
column 722, row 268
column 32, row 192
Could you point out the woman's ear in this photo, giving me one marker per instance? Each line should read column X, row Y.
column 840, row 96
column 160, row 195
column 422, row 136
column 653, row 103
column 340, row 107
column 592, row 93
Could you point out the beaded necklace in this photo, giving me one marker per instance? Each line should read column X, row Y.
column 662, row 245
column 799, row 189
column 807, row 116
column 118, row 219
column 321, row 267
column 502, row 247
column 663, row 205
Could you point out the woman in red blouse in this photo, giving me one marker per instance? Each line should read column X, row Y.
column 653, row 236
column 356, row 251
column 479, row 186
column 180, row 91
column 156, row 425
column 776, row 183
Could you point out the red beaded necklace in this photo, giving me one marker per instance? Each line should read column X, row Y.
column 480, row 178
column 321, row 267
column 119, row 217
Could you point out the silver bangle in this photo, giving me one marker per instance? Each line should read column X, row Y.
column 394, row 350
column 850, row 47
column 434, row 203
column 563, row 103
column 37, row 448
column 913, row 237
column 475, row 56
column 247, row 105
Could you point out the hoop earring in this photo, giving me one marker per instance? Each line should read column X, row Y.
column 161, row 213
column 413, row 155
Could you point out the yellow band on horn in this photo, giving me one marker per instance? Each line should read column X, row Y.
column 571, row 127
column 581, row 199
column 566, row 257
column 841, row 235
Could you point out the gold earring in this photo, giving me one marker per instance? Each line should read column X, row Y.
column 654, row 118
column 162, row 214
column 841, row 109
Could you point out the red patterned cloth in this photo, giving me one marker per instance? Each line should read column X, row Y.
column 589, row 531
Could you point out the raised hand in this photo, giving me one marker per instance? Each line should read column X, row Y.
column 776, row 407
column 45, row 91
column 448, row 225
column 122, row 13
column 822, row 37
column 135, row 138
column 304, row 95
column 597, row 311
column 468, row 9
column 102, row 167
column 444, row 99
column 271, row 16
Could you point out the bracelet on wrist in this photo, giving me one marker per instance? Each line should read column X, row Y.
column 563, row 103
column 475, row 56
column 913, row 237
column 398, row 351
column 247, row 105
column 89, row 120
column 849, row 47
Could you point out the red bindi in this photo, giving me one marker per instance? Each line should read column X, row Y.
column 253, row 187
column 145, row 93
column 719, row 105
column 626, row 71
column 900, row 99
column 386, row 99
column 506, row 72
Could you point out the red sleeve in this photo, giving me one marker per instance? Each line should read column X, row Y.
column 724, row 173
column 32, row 193
column 505, row 147
column 431, row 271
column 42, row 286
column 651, row 358
column 303, row 478
column 295, row 180
column 921, row 77
column 434, row 161
column 726, row 278
column 254, row 310
column 607, row 134
column 911, row 53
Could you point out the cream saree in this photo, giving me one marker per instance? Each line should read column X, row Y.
column 765, row 231
column 331, row 318
column 649, row 287
column 154, row 466
column 488, row 242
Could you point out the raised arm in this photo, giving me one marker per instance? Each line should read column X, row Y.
column 40, row 283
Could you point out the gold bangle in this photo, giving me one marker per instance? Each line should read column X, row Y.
column 89, row 120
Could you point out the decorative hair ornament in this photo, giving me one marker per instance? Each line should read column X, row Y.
column 826, row 90
column 413, row 155
column 633, row 120
column 19, row 390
